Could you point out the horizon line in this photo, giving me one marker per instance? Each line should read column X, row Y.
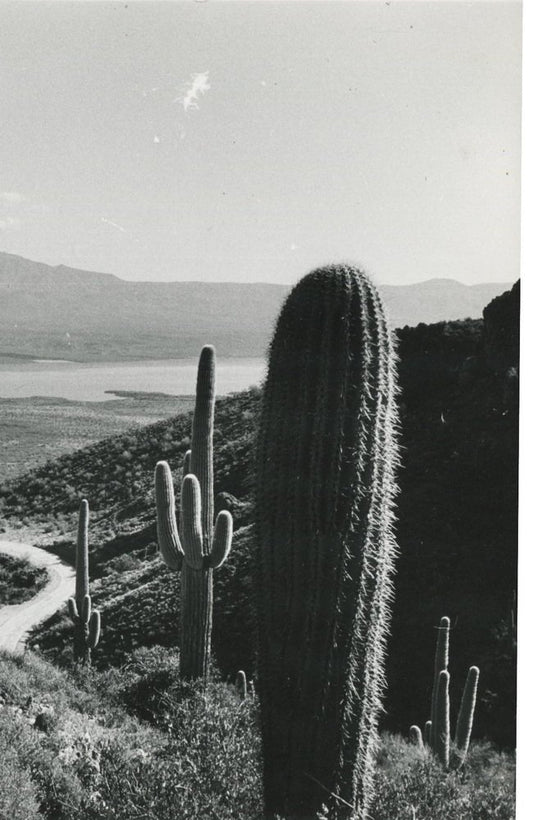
column 258, row 282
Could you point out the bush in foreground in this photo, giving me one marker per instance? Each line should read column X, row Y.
column 412, row 785
column 137, row 742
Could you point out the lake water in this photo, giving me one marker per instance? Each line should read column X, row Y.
column 89, row 382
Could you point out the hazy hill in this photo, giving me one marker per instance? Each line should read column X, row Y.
column 61, row 312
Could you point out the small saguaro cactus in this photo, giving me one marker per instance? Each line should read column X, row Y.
column 437, row 736
column 195, row 547
column 241, row 684
column 415, row 736
column 86, row 620
column 465, row 718
column 327, row 455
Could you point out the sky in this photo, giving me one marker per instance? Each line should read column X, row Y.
column 254, row 141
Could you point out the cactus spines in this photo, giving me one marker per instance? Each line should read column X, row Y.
column 195, row 547
column 442, row 719
column 86, row 622
column 327, row 455
column 465, row 718
column 415, row 736
column 442, row 651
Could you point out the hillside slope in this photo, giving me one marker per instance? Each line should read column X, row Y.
column 457, row 523
column 61, row 312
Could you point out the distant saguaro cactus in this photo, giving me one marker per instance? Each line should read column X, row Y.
column 437, row 735
column 327, row 455
column 195, row 548
column 86, row 621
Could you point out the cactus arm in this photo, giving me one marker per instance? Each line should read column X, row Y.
column 202, row 439
column 167, row 529
column 221, row 540
column 82, row 555
column 191, row 522
column 415, row 736
column 86, row 610
column 186, row 467
column 94, row 629
column 73, row 609
column 442, row 719
column 442, row 651
column 241, row 684
column 466, row 715
column 427, row 733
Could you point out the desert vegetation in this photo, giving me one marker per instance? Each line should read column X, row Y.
column 147, row 740
column 41, row 429
column 136, row 741
column 19, row 580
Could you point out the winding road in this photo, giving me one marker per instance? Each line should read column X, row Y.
column 16, row 620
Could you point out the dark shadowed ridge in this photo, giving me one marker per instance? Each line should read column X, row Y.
column 62, row 312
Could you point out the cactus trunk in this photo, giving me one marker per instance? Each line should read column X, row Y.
column 196, row 621
column 326, row 461
column 442, row 651
column 201, row 461
column 82, row 555
column 442, row 719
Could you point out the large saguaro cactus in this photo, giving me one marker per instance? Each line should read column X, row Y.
column 86, row 620
column 195, row 548
column 327, row 455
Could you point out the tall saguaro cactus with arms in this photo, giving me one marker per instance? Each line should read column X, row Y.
column 195, row 547
column 86, row 620
column 327, row 455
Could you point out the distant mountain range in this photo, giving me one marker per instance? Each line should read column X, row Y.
column 61, row 312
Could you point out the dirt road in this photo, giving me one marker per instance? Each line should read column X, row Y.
column 17, row 619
